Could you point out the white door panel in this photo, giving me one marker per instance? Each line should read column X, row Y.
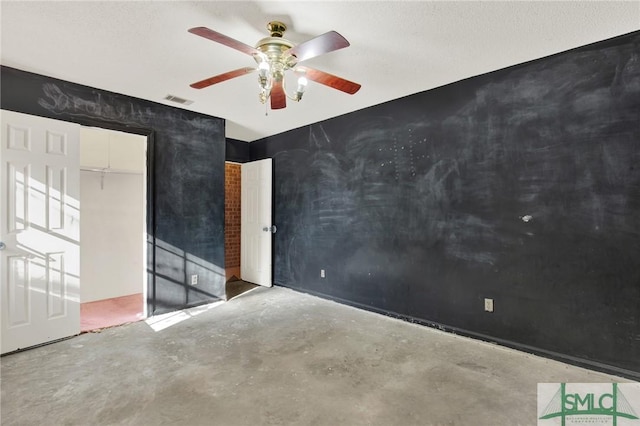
column 256, row 226
column 39, row 266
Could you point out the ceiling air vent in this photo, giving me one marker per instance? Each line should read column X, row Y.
column 178, row 100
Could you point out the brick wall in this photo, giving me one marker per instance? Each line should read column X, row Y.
column 232, row 215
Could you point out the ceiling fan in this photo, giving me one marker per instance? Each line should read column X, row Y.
column 275, row 56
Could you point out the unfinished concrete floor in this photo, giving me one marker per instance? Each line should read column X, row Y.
column 277, row 357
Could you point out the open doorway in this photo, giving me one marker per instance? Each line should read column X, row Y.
column 232, row 217
column 232, row 231
column 113, row 228
column 248, row 226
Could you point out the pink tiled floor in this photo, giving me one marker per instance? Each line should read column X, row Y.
column 110, row 312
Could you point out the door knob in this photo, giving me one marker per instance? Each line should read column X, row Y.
column 271, row 229
column 2, row 245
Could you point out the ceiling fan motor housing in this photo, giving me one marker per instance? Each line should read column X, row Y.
column 274, row 49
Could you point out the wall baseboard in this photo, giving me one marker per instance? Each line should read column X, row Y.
column 568, row 359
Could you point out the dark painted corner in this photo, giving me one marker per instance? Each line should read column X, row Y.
column 237, row 151
column 522, row 185
column 185, row 173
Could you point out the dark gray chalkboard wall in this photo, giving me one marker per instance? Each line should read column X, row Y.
column 522, row 185
column 185, row 170
column 237, row 151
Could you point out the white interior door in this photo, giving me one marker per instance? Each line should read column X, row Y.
column 255, row 224
column 40, row 229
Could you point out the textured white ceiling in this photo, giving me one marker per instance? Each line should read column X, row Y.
column 397, row 48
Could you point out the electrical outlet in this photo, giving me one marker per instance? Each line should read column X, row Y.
column 488, row 305
column 322, row 274
column 194, row 279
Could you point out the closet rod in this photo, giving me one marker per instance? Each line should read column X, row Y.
column 121, row 172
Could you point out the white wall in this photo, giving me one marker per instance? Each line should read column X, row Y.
column 112, row 214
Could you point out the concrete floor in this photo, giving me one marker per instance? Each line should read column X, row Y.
column 272, row 357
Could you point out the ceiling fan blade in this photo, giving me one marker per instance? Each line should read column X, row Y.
column 278, row 98
column 330, row 80
column 223, row 39
column 325, row 43
column 222, row 77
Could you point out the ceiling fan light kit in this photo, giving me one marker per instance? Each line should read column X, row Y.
column 275, row 56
